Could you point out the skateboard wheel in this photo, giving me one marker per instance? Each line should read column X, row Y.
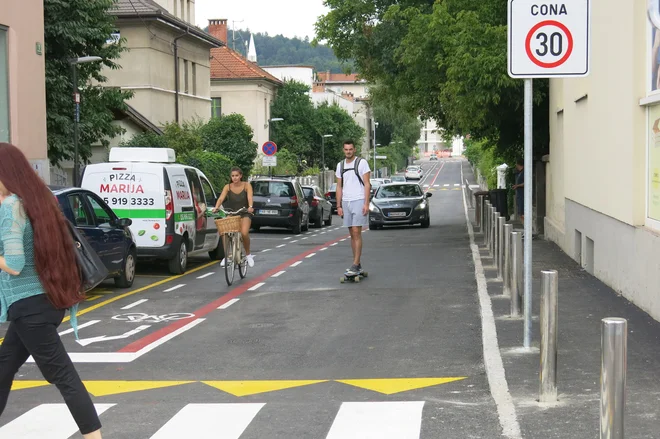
column 342, row 279
column 357, row 279
column 365, row 274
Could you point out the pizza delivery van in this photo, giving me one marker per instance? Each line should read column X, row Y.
column 169, row 203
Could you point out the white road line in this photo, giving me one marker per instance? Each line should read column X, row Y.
column 495, row 372
column 310, row 255
column 294, row 241
column 175, row 288
column 265, row 250
column 295, row 264
column 228, row 303
column 333, row 244
column 382, row 420
column 288, row 237
column 342, row 240
column 303, row 238
column 206, row 275
column 436, row 185
column 279, row 273
column 445, row 185
column 257, row 286
column 134, row 304
column 227, row 421
column 457, row 184
column 84, row 325
column 324, row 248
column 46, row 421
column 280, row 246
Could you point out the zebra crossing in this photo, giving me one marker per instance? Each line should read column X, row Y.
column 353, row 420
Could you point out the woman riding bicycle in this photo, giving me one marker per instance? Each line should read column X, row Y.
column 237, row 195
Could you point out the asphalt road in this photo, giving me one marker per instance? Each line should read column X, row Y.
column 289, row 352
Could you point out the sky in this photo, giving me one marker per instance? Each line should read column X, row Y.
column 291, row 18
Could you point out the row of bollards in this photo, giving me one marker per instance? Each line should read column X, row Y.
column 505, row 246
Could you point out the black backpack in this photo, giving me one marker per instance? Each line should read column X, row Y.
column 355, row 167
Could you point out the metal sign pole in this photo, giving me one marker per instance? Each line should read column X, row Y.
column 528, row 214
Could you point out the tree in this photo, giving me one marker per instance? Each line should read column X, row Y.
column 216, row 167
column 444, row 60
column 230, row 136
column 72, row 29
column 332, row 119
column 295, row 131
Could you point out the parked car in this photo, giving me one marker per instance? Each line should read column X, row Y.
column 433, row 157
column 375, row 184
column 398, row 178
column 399, row 203
column 331, row 196
column 167, row 201
column 320, row 209
column 279, row 202
column 107, row 234
column 413, row 172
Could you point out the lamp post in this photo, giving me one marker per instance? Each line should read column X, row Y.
column 323, row 137
column 76, row 115
column 375, row 126
column 270, row 138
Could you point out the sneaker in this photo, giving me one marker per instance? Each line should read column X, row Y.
column 250, row 260
column 355, row 269
column 222, row 263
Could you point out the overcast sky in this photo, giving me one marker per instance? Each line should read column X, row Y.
column 291, row 18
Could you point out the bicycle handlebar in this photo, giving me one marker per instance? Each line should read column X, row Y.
column 231, row 212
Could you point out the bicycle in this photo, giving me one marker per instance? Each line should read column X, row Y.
column 235, row 256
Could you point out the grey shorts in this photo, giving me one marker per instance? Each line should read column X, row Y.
column 353, row 214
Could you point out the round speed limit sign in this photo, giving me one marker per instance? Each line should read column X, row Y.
column 548, row 39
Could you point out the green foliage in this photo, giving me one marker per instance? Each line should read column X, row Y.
column 216, row 167
column 334, row 120
column 73, row 29
column 287, row 164
column 443, row 60
column 230, row 136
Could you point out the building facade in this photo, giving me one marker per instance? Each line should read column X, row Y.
column 22, row 81
column 603, row 170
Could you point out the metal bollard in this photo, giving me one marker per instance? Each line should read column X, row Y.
column 477, row 212
column 516, row 273
column 493, row 232
column 548, row 323
column 508, row 228
column 485, row 222
column 500, row 247
column 614, row 353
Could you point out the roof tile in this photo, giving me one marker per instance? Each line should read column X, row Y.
column 228, row 64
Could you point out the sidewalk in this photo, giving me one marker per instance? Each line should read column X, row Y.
column 583, row 302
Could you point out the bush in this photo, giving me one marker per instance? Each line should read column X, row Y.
column 216, row 167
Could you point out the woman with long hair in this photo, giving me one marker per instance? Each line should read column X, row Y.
column 235, row 196
column 39, row 280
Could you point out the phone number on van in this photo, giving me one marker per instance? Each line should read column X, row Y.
column 133, row 201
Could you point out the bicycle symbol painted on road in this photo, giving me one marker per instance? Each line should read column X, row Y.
column 139, row 317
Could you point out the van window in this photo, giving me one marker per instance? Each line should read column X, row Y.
column 272, row 189
column 195, row 186
column 208, row 190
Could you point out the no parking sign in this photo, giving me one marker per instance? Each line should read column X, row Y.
column 549, row 39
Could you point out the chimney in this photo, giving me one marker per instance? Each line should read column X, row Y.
column 218, row 29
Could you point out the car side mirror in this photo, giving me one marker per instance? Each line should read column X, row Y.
column 124, row 222
column 429, row 194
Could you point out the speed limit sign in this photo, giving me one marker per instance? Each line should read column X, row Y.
column 548, row 39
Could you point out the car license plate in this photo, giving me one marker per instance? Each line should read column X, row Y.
column 397, row 213
column 268, row 212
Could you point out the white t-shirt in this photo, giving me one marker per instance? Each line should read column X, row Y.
column 352, row 189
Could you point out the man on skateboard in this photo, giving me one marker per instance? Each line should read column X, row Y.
column 353, row 189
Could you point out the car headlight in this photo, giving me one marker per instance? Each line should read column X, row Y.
column 373, row 207
column 421, row 205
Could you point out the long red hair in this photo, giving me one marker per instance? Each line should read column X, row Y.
column 54, row 253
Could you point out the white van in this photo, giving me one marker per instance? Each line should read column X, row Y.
column 168, row 203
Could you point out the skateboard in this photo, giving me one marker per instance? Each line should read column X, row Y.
column 353, row 277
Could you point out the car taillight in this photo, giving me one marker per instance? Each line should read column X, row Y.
column 294, row 201
column 169, row 239
column 315, row 202
column 327, row 195
column 169, row 205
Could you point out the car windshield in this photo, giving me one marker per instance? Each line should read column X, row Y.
column 309, row 192
column 272, row 189
column 398, row 178
column 412, row 168
column 399, row 191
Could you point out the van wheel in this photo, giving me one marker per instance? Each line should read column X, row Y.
column 125, row 280
column 219, row 253
column 178, row 263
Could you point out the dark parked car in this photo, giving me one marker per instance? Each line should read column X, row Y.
column 331, row 196
column 399, row 203
column 109, row 236
column 320, row 209
column 279, row 202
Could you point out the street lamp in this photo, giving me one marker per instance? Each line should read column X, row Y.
column 270, row 138
column 323, row 137
column 76, row 115
column 375, row 126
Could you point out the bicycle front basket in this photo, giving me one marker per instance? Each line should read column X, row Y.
column 228, row 225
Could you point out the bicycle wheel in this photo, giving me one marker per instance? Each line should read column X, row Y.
column 243, row 266
column 229, row 260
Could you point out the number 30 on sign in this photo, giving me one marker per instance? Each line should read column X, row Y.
column 549, row 39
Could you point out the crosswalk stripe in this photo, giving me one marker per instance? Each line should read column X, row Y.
column 53, row 421
column 378, row 420
column 226, row 421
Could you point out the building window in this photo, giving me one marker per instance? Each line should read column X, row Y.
column 4, row 87
column 186, row 78
column 194, row 79
column 216, row 107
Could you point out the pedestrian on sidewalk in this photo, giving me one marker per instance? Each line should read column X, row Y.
column 39, row 280
column 519, row 187
column 353, row 197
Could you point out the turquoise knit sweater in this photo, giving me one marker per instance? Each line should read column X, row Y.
column 17, row 246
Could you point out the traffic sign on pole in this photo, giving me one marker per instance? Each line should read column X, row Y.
column 269, row 148
column 549, row 40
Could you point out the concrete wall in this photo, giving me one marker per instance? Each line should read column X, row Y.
column 22, row 23
column 597, row 171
